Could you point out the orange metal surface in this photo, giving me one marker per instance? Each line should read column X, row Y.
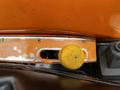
column 27, row 49
column 99, row 18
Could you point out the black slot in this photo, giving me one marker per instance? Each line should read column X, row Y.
column 49, row 54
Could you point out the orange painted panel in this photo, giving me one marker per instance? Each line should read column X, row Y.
column 99, row 18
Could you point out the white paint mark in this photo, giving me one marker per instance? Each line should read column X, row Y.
column 15, row 48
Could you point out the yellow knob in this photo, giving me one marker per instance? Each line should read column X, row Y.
column 72, row 57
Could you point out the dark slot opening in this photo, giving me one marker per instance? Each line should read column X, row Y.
column 49, row 54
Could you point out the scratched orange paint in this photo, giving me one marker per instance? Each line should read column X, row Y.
column 28, row 48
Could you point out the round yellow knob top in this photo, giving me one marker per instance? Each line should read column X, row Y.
column 72, row 57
